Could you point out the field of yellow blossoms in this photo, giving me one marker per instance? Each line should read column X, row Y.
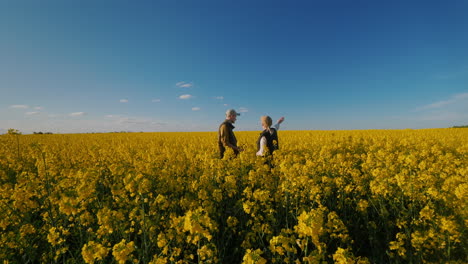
column 374, row 196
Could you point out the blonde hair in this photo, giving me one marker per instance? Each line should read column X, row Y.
column 266, row 121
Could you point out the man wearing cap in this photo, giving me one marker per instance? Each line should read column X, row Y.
column 226, row 137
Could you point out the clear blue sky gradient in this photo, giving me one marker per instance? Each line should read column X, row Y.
column 95, row 66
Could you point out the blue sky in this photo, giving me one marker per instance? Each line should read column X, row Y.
column 95, row 66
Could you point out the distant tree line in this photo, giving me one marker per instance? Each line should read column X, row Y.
column 12, row 131
column 465, row 126
column 40, row 133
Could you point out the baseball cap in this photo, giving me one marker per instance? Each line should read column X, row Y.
column 232, row 112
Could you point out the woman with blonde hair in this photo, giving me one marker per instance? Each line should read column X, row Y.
column 269, row 136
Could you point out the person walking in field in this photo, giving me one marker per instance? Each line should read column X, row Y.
column 226, row 137
column 268, row 139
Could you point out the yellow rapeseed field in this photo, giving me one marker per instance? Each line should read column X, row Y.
column 375, row 196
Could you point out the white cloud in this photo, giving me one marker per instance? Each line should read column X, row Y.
column 184, row 85
column 38, row 107
column 438, row 104
column 77, row 114
column 443, row 113
column 185, row 96
column 219, row 97
column 455, row 99
column 113, row 116
column 196, row 108
column 444, row 116
column 124, row 100
column 243, row 110
column 225, row 104
column 461, row 96
column 19, row 106
column 32, row 113
column 156, row 100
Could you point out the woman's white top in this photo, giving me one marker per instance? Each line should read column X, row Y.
column 263, row 141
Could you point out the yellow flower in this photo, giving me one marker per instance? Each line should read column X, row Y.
column 158, row 260
column 311, row 225
column 341, row 257
column 122, row 251
column 93, row 251
column 399, row 244
column 54, row 237
column 232, row 221
column 253, row 257
column 27, row 229
column 362, row 205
